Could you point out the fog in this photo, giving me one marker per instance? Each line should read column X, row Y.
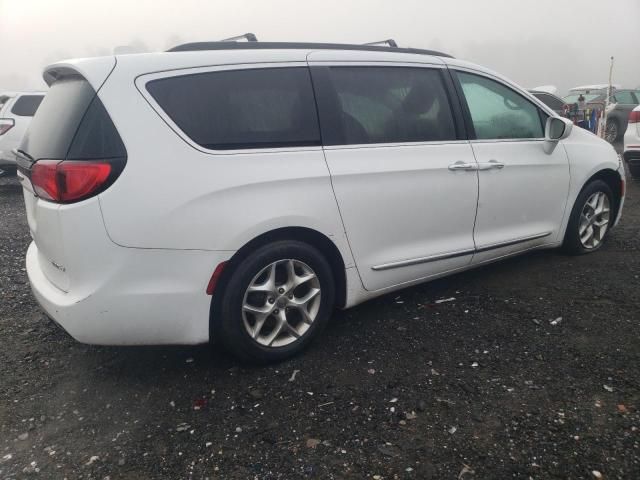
column 563, row 43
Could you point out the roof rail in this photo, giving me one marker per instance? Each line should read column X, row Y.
column 249, row 37
column 199, row 46
column 389, row 43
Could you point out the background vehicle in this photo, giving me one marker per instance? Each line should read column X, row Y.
column 311, row 176
column 632, row 143
column 625, row 100
column 16, row 111
column 550, row 100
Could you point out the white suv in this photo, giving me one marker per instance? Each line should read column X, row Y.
column 238, row 192
column 16, row 111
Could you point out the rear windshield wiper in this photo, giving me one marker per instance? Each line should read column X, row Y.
column 24, row 161
column 21, row 153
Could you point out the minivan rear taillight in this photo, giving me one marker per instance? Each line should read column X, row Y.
column 634, row 116
column 69, row 181
column 6, row 124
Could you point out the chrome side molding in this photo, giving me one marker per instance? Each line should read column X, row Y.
column 417, row 261
column 459, row 253
column 515, row 241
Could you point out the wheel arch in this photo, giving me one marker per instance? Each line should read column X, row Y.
column 614, row 180
column 307, row 235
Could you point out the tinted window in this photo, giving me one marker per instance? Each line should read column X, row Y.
column 391, row 104
column 26, row 105
column 242, row 109
column 497, row 111
column 625, row 97
column 550, row 101
column 96, row 137
column 72, row 123
column 3, row 100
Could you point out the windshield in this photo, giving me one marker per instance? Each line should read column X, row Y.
column 573, row 98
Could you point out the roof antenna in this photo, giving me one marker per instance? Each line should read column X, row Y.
column 249, row 37
column 389, row 43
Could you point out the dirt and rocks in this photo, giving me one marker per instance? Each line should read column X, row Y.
column 531, row 370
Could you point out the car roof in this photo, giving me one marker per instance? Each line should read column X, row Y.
column 96, row 69
column 541, row 92
column 198, row 46
column 12, row 94
column 600, row 86
column 133, row 65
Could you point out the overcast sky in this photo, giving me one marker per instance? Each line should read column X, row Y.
column 560, row 42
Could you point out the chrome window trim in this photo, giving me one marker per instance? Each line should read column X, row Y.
column 394, row 145
column 504, row 140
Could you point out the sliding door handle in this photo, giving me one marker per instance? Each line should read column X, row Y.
column 491, row 165
column 463, row 166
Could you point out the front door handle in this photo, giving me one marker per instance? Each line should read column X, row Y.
column 463, row 166
column 491, row 165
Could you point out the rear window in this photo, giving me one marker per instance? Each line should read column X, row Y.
column 72, row 123
column 550, row 101
column 242, row 109
column 26, row 105
column 625, row 97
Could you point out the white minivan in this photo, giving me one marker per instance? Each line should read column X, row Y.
column 239, row 192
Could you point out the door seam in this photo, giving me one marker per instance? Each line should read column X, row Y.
column 326, row 163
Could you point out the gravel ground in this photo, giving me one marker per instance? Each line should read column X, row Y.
column 486, row 386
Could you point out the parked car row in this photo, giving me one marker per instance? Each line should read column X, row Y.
column 240, row 192
column 621, row 101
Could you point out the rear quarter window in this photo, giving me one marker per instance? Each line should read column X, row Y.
column 242, row 109
column 26, row 105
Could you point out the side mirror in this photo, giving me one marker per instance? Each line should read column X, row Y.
column 557, row 129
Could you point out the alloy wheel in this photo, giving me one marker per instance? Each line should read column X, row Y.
column 281, row 303
column 594, row 220
column 611, row 132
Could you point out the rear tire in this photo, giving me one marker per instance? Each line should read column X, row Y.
column 612, row 131
column 276, row 302
column 591, row 219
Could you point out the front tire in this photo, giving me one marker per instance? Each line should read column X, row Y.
column 276, row 302
column 591, row 219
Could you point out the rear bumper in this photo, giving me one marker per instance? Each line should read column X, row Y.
column 632, row 144
column 7, row 159
column 144, row 297
column 632, row 156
